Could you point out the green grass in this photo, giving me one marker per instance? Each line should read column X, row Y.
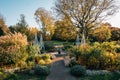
column 55, row 42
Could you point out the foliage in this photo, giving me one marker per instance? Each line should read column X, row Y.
column 64, row 30
column 3, row 28
column 13, row 48
column 21, row 75
column 43, row 59
column 45, row 56
column 73, row 63
column 42, row 70
column 31, row 33
column 85, row 14
column 113, row 76
column 115, row 34
column 44, row 18
column 102, row 33
column 49, row 46
column 21, row 26
column 118, row 49
column 78, row 71
column 32, row 52
column 99, row 56
column 108, row 46
column 12, row 77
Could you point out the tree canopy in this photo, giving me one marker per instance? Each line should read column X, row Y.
column 3, row 28
column 85, row 14
column 46, row 22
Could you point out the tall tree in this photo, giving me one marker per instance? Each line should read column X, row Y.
column 46, row 21
column 3, row 28
column 21, row 26
column 102, row 33
column 85, row 14
column 64, row 30
column 115, row 34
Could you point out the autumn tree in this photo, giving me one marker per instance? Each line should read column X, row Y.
column 85, row 14
column 21, row 26
column 102, row 33
column 3, row 28
column 31, row 33
column 64, row 30
column 115, row 34
column 46, row 22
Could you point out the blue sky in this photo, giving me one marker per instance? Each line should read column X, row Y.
column 11, row 10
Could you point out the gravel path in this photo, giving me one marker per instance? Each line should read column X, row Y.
column 59, row 71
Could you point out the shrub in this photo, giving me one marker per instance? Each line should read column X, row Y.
column 12, row 77
column 30, row 64
column 32, row 52
column 12, row 48
column 45, row 56
column 42, row 70
column 84, row 49
column 43, row 59
column 103, row 56
column 108, row 46
column 42, row 62
column 48, row 61
column 73, row 63
column 78, row 71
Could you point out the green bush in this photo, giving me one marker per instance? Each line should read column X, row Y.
column 78, row 71
column 32, row 52
column 12, row 77
column 73, row 63
column 42, row 70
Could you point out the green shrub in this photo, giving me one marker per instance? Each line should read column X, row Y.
column 73, row 63
column 32, row 52
column 12, row 77
column 42, row 70
column 78, row 71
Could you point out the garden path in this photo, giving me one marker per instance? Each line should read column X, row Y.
column 59, row 71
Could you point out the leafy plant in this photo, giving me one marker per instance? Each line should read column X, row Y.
column 78, row 71
column 42, row 70
column 13, row 48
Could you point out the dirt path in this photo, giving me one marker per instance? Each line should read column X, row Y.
column 59, row 71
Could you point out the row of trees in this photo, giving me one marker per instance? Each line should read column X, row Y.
column 61, row 30
column 86, row 15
